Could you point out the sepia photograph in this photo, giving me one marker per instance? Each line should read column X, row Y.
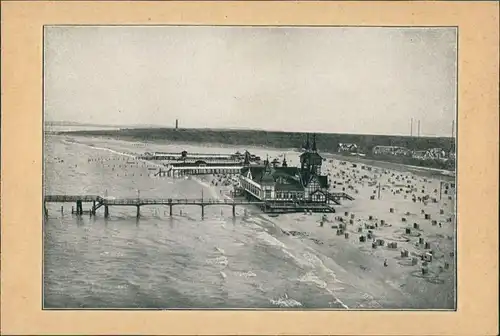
column 249, row 167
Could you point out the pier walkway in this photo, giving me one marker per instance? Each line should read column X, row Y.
column 106, row 202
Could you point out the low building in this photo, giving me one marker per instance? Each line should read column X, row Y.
column 436, row 154
column 391, row 150
column 420, row 155
column 347, row 147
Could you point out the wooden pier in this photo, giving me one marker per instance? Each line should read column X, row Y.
column 98, row 202
column 179, row 170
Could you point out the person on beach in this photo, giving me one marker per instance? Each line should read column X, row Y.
column 385, row 263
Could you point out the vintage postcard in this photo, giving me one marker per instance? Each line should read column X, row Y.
column 205, row 167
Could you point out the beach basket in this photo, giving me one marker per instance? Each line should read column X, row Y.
column 428, row 257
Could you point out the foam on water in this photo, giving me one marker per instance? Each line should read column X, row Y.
column 285, row 302
column 222, row 260
column 248, row 274
column 270, row 240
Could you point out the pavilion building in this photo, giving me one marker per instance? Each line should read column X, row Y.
column 288, row 184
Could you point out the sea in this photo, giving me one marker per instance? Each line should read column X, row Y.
column 158, row 261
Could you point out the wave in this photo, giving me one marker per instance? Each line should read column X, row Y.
column 285, row 302
column 222, row 260
column 310, row 277
column 114, row 152
column 248, row 274
column 270, row 240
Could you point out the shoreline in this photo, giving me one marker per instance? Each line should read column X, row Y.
column 449, row 175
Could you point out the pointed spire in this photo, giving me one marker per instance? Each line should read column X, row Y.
column 284, row 164
column 314, row 148
column 267, row 177
column 307, row 147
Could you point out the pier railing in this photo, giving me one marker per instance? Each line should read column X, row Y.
column 173, row 201
column 72, row 198
column 106, row 202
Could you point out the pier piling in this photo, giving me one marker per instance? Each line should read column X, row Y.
column 138, row 211
column 79, row 207
column 202, row 211
column 234, row 210
column 106, row 211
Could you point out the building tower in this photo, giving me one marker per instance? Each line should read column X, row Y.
column 310, row 162
column 176, row 123
column 314, row 148
column 267, row 181
column 315, row 160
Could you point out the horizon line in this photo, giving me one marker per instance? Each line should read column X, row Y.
column 229, row 128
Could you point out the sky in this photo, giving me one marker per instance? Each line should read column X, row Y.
column 324, row 79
